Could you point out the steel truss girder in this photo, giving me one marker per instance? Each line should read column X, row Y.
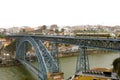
column 102, row 43
column 43, row 56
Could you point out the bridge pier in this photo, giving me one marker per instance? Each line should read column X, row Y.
column 55, row 76
column 55, row 54
column 82, row 60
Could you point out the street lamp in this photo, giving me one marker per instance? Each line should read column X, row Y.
column 7, row 55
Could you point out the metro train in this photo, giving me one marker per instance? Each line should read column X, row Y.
column 97, row 35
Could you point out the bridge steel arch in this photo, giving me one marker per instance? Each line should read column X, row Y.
column 44, row 58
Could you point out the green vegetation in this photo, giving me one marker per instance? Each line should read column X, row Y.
column 28, row 47
column 44, row 27
column 27, row 75
column 62, row 30
column 11, row 47
column 56, row 31
column 2, row 36
column 116, row 66
column 67, row 45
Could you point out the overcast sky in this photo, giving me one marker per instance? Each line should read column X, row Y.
column 62, row 12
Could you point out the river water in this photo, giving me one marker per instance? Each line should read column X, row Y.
column 68, row 65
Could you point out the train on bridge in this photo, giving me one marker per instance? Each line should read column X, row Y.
column 97, row 35
column 90, row 35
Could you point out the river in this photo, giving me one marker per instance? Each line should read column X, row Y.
column 68, row 65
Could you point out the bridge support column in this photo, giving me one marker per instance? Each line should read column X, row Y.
column 82, row 60
column 55, row 54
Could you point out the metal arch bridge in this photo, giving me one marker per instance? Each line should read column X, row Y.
column 49, row 67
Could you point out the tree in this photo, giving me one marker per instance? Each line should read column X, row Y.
column 116, row 66
column 2, row 36
column 28, row 46
column 56, row 31
column 44, row 27
column 23, row 30
column 62, row 30
column 11, row 47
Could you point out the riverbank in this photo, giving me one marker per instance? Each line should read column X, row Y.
column 15, row 73
column 89, row 52
column 24, row 74
column 13, row 62
column 9, row 63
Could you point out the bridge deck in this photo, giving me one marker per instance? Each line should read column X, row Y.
column 102, row 43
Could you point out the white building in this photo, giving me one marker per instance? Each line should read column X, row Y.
column 13, row 30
